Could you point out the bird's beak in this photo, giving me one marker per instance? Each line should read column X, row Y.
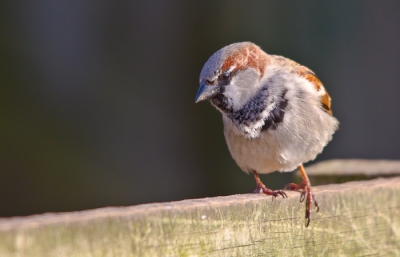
column 206, row 92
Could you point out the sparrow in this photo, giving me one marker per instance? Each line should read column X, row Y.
column 276, row 113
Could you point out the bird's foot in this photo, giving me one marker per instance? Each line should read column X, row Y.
column 261, row 188
column 305, row 188
column 268, row 191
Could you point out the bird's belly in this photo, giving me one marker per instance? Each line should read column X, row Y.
column 262, row 154
column 296, row 141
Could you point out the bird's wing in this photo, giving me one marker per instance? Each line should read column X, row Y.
column 309, row 75
column 324, row 96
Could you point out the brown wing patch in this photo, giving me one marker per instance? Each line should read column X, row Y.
column 314, row 80
column 306, row 73
column 325, row 98
column 249, row 55
column 300, row 70
column 326, row 103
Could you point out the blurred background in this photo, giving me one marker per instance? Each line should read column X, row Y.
column 97, row 97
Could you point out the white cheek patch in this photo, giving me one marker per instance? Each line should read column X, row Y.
column 235, row 94
column 244, row 86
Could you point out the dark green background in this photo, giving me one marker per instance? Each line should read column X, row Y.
column 97, row 97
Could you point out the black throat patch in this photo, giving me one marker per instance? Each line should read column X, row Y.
column 276, row 115
column 251, row 111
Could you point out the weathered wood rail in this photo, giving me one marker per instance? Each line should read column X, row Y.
column 339, row 171
column 356, row 219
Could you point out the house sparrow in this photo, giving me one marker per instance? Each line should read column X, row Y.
column 276, row 113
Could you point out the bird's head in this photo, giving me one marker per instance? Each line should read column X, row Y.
column 231, row 76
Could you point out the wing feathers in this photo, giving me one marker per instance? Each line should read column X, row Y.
column 325, row 98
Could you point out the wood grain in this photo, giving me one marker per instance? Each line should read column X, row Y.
column 356, row 219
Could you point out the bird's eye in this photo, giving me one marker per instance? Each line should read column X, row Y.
column 224, row 76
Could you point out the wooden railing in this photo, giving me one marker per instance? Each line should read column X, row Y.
column 356, row 219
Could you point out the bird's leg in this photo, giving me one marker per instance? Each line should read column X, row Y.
column 261, row 188
column 306, row 193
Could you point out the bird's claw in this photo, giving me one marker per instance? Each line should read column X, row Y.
column 279, row 192
column 306, row 194
column 267, row 191
column 302, row 196
column 261, row 188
